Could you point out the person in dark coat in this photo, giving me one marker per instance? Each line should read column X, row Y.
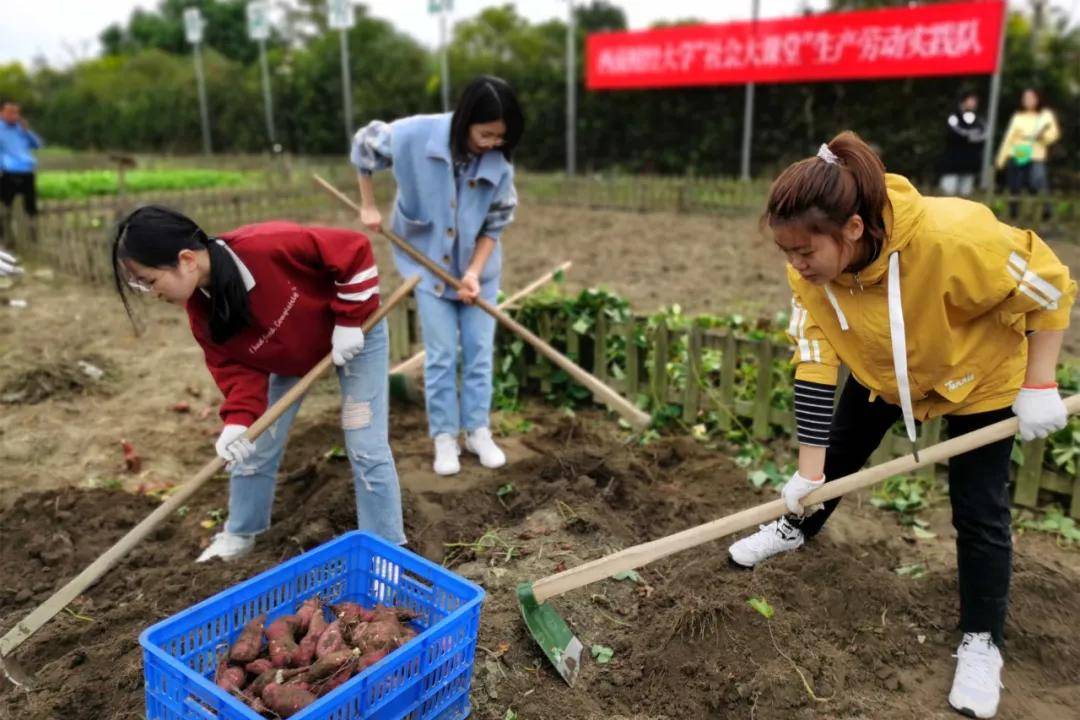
column 965, row 136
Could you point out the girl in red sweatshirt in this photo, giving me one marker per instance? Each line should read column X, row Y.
column 266, row 302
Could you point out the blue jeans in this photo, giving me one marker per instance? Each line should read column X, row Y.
column 364, row 418
column 442, row 323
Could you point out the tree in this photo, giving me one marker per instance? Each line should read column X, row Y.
column 163, row 29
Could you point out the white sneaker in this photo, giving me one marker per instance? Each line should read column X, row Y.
column 479, row 442
column 976, row 686
column 227, row 546
column 446, row 454
column 772, row 539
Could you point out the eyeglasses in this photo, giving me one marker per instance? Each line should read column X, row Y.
column 140, row 286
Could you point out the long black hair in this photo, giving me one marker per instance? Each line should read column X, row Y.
column 153, row 236
column 487, row 99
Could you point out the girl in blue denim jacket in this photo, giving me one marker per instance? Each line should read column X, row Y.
column 455, row 196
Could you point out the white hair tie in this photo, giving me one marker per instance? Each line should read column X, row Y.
column 827, row 155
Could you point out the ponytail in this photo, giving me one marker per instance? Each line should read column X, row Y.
column 822, row 193
column 154, row 236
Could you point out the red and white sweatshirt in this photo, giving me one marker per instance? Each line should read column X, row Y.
column 301, row 282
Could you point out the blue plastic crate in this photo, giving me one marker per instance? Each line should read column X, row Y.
column 429, row 677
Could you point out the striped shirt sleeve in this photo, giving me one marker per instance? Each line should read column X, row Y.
column 813, row 412
column 501, row 212
column 349, row 262
column 371, row 148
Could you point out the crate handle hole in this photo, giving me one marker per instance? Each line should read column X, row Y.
column 199, row 707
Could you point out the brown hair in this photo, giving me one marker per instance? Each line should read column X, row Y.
column 821, row 196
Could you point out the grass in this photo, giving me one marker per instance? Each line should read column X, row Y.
column 77, row 185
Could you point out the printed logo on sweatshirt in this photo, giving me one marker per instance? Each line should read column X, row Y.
column 959, row 382
column 255, row 346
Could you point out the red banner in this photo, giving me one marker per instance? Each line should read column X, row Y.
column 944, row 39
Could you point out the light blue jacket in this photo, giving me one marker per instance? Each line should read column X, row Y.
column 16, row 144
column 432, row 210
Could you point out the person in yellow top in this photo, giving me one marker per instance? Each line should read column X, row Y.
column 1032, row 129
column 938, row 309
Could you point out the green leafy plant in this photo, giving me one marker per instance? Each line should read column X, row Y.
column 905, row 495
column 1055, row 522
column 762, row 606
column 602, row 654
column 74, row 185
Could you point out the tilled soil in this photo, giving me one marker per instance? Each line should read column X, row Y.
column 849, row 638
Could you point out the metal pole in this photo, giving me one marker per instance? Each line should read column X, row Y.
column 987, row 178
column 204, row 113
column 748, row 108
column 346, row 87
column 443, row 43
column 268, row 100
column 571, row 92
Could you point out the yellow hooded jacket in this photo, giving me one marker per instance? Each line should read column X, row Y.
column 969, row 289
column 1039, row 130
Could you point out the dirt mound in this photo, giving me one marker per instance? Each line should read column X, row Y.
column 57, row 379
column 849, row 638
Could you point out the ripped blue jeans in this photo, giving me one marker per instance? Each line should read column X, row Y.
column 364, row 419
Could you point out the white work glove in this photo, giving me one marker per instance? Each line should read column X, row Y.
column 9, row 265
column 796, row 489
column 232, row 446
column 345, row 344
column 1041, row 411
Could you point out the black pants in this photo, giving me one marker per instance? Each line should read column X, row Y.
column 978, row 491
column 1031, row 177
column 12, row 184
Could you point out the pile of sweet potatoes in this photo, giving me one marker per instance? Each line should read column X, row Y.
column 283, row 667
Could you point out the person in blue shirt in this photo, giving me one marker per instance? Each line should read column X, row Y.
column 455, row 196
column 17, row 161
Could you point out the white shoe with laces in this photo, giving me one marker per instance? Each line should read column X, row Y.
column 446, row 454
column 480, row 442
column 976, row 688
column 227, row 546
column 771, row 539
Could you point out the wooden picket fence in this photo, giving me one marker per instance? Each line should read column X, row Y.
column 75, row 236
column 631, row 370
column 1054, row 214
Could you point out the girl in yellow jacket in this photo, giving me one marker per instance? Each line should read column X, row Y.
column 1032, row 129
column 938, row 309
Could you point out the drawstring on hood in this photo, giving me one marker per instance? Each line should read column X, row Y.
column 899, row 350
column 899, row 231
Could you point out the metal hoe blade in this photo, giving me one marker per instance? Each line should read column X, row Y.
column 14, row 673
column 551, row 632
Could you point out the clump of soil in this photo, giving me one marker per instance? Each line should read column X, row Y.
column 57, row 379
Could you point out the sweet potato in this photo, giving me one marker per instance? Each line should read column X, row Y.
column 259, row 706
column 282, row 637
column 275, row 675
column 377, row 635
column 350, row 612
column 307, row 611
column 249, row 644
column 259, row 684
column 331, row 640
column 398, row 613
column 305, row 652
column 286, row 700
column 229, row 677
column 339, row 677
column 327, row 665
column 258, row 667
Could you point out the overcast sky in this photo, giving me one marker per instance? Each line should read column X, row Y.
column 63, row 30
